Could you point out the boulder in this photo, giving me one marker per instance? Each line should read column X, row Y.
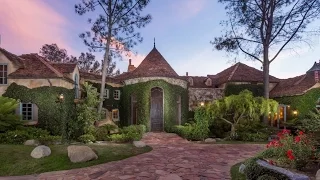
column 318, row 175
column 139, row 144
column 241, row 168
column 31, row 142
column 210, row 140
column 41, row 151
column 81, row 154
column 170, row 177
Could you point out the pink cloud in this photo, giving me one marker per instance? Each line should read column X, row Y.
column 186, row 9
column 25, row 25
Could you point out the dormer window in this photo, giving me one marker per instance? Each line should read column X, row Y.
column 3, row 74
column 209, row 82
column 190, row 81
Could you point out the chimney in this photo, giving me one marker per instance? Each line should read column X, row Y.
column 131, row 66
column 186, row 73
column 316, row 76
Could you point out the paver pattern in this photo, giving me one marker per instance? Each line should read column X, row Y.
column 172, row 158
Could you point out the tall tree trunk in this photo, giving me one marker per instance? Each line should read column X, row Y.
column 233, row 132
column 266, row 78
column 104, row 74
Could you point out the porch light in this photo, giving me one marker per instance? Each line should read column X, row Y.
column 295, row 112
column 202, row 104
column 61, row 97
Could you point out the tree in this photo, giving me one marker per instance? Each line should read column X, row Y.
column 237, row 109
column 87, row 62
column 114, row 30
column 259, row 28
column 8, row 120
column 53, row 53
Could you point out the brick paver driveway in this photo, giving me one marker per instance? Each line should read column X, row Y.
column 171, row 158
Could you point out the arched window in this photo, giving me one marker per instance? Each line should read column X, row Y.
column 190, row 81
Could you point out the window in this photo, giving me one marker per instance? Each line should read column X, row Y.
column 3, row 74
column 115, row 114
column 106, row 94
column 116, row 94
column 26, row 111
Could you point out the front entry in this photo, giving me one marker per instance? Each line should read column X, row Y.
column 156, row 111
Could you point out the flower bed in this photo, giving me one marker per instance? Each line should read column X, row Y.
column 295, row 153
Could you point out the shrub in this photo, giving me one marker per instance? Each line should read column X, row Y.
column 253, row 137
column 219, row 129
column 49, row 140
column 119, row 138
column 254, row 131
column 266, row 177
column 14, row 137
column 87, row 138
column 8, row 120
column 133, row 132
column 239, row 109
column 293, row 151
column 35, row 133
column 185, row 131
column 254, row 171
column 102, row 133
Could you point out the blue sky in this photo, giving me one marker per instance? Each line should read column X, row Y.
column 182, row 28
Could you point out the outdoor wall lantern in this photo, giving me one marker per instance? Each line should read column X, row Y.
column 295, row 112
column 202, row 104
column 60, row 98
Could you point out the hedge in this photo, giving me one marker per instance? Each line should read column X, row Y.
column 50, row 114
column 235, row 89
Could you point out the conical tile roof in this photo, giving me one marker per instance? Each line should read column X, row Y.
column 154, row 65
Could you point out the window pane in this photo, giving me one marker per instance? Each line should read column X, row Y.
column 1, row 68
column 1, row 80
column 5, row 67
column 5, row 81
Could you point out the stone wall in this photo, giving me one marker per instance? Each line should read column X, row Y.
column 178, row 82
column 198, row 95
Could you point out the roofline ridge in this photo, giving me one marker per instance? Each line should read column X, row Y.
column 49, row 66
column 234, row 70
column 301, row 79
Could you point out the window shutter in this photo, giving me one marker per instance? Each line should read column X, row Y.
column 35, row 110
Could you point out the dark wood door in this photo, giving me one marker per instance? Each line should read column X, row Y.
column 156, row 109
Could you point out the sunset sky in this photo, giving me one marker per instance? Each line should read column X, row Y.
column 182, row 28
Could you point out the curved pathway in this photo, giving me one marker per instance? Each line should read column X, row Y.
column 171, row 158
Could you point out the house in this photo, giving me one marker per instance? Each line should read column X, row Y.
column 152, row 94
column 33, row 71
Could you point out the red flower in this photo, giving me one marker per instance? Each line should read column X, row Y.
column 301, row 133
column 297, row 139
column 286, row 131
column 290, row 155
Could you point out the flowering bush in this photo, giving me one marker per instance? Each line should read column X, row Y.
column 294, row 151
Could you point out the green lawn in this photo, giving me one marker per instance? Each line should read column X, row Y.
column 234, row 171
column 16, row 159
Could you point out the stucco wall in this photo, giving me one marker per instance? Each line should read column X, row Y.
column 178, row 82
column 34, row 83
column 198, row 95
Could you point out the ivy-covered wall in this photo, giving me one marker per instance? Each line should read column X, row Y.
column 50, row 113
column 235, row 89
column 110, row 103
column 143, row 94
column 303, row 103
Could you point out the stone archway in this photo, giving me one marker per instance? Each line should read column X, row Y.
column 156, row 109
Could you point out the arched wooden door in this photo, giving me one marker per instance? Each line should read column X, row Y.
column 156, row 111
